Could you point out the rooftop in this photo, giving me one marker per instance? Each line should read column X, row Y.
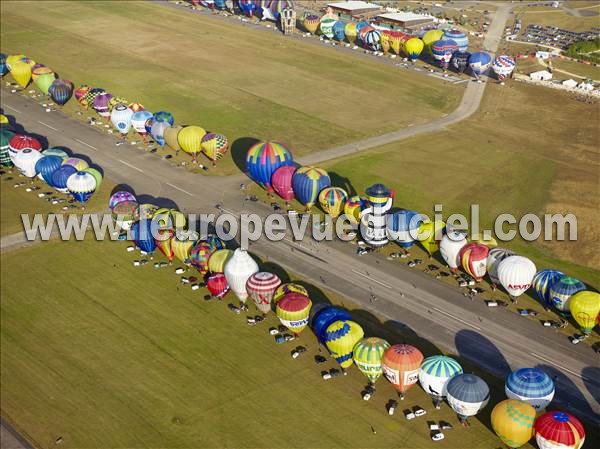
column 404, row 16
column 353, row 5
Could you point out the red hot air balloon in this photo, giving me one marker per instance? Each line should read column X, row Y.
column 281, row 180
column 473, row 258
column 217, row 285
column 558, row 429
column 261, row 287
column 401, row 365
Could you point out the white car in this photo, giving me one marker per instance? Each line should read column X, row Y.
column 410, row 416
column 420, row 412
column 438, row 436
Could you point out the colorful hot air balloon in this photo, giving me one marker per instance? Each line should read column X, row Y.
column 100, row 104
column 473, row 258
column 293, row 311
column 60, row 177
column 495, row 256
column 146, row 210
column 43, row 77
column 60, row 91
column 360, row 26
column 164, row 238
column 401, row 365
column 479, row 62
column 373, row 40
column 263, row 159
column 5, row 136
column 217, row 285
column 88, row 99
column 119, row 197
column 443, row 50
column 163, row 116
column 326, row 27
column 261, row 287
column 512, row 420
column 368, row 355
column 142, row 233
column 116, row 100
column 459, row 37
column 277, row 6
column 467, row 394
column 97, row 176
column 531, row 385
column 503, row 66
column 402, row 226
column 362, row 35
column 169, row 218
column 284, row 289
column 214, row 146
column 199, row 255
column 332, row 200
column 56, row 152
column 385, row 41
column 21, row 72
column 248, row 6
column 81, row 186
column 395, row 40
column 350, row 32
column 338, row 31
column 515, row 274
column 80, row 92
column 435, row 373
column 25, row 161
column 19, row 142
column 584, row 307
column 190, row 140
column 311, row 23
column 76, row 162
column 341, row 338
column 124, row 214
column 353, row 207
column 308, row 182
column 157, row 130
column 450, row 247
column 558, row 430
column 3, row 66
column 218, row 259
column 182, row 242
column 430, row 235
column 460, row 60
column 138, row 121
column 561, row 291
column 120, row 117
column 325, row 317
column 136, row 107
column 543, row 282
column 413, row 48
column 214, row 242
column 430, row 37
column 237, row 271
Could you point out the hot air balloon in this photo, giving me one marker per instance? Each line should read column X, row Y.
column 531, row 385
column 146, row 210
column 503, row 66
column 5, row 136
column 163, row 239
column 495, row 256
column 124, row 214
column 435, row 373
column 261, row 287
column 332, row 200
column 325, row 317
column 19, row 142
column 385, row 41
column 353, row 207
column 479, row 62
column 214, row 146
column 311, row 23
column 169, row 218
column 60, row 177
column 199, row 255
column 248, row 6
column 116, row 100
column 80, row 92
column 281, row 181
column 584, row 307
column 97, row 176
column 138, row 121
column 450, row 247
column 120, row 117
column 60, row 91
column 340, row 338
column 3, row 66
column 459, row 37
column 308, row 182
column 237, row 271
column 157, row 130
column 362, row 35
column 284, row 289
column 182, row 242
column 561, row 291
column 190, row 140
column 277, row 6
column 136, row 107
column 402, row 227
column 430, row 235
column 401, row 365
column 142, row 234
column 430, row 37
column 119, row 197
column 25, row 161
column 467, row 394
column 326, row 27
column 21, row 72
column 512, row 420
column 338, row 31
column 543, row 282
column 76, row 162
column 368, row 355
column 460, row 60
column 373, row 40
column 473, row 258
column 88, row 99
column 360, row 26
column 515, row 274
column 56, row 152
column 43, row 77
column 413, row 48
column 293, row 311
column 218, row 259
column 263, row 159
column 100, row 104
column 170, row 136
column 217, row 285
column 81, row 186
column 556, row 429
column 443, row 50
column 350, row 32
column 394, row 39
column 163, row 116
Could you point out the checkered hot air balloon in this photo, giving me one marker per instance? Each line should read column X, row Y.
column 531, row 385
column 214, row 146
column 261, row 287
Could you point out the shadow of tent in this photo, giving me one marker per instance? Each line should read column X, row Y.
column 239, row 149
column 122, row 188
column 341, row 181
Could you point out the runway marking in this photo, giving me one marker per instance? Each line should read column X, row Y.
column 13, row 109
column 47, row 126
column 86, row 144
column 180, row 189
column 559, row 366
column 131, row 166
column 372, row 279
column 456, row 318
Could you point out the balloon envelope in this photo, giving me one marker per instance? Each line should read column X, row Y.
column 368, row 355
column 237, row 271
column 515, row 274
column 558, row 429
column 450, row 247
column 261, row 286
column 332, row 200
column 584, row 307
column 543, row 282
column 263, row 159
column 562, row 290
column 340, row 339
column 142, row 233
column 435, row 372
column 512, row 420
column 293, row 311
column 325, row 317
column 401, row 365
column 531, row 385
column 467, row 394
column 473, row 258
column 308, row 182
column 495, row 256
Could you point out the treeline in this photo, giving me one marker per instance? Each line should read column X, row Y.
column 584, row 50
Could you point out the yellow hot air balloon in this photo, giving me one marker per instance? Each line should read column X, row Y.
column 190, row 140
column 340, row 338
column 169, row 218
column 170, row 136
column 385, row 42
column 353, row 207
column 311, row 23
column 21, row 72
column 13, row 59
column 430, row 37
column 293, row 311
column 350, row 32
column 218, row 259
column 182, row 242
column 585, row 307
column 512, row 420
column 413, row 48
column 3, row 119
column 290, row 287
column 332, row 200
column 430, row 234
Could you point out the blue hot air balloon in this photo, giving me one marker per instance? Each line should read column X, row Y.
column 162, row 116
column 443, row 50
column 3, row 66
column 562, row 290
column 467, row 394
column 143, row 232
column 60, row 91
column 459, row 37
column 60, row 177
column 402, row 226
column 263, row 159
column 46, row 167
column 308, row 182
column 327, row 316
column 220, row 4
column 158, row 131
column 248, row 7
column 460, row 61
column 479, row 62
column 543, row 282
column 531, row 385
column 81, row 186
column 339, row 33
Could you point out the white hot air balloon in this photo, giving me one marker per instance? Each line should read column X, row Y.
column 238, row 270
column 515, row 274
column 81, row 185
column 451, row 245
column 434, row 374
column 121, row 118
column 495, row 256
column 25, row 161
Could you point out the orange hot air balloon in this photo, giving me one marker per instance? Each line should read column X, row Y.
column 401, row 365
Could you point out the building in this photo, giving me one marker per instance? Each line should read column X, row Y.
column 355, row 9
column 542, row 75
column 569, row 83
column 586, row 85
column 404, row 20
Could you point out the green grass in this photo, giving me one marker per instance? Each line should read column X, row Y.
column 586, row 71
column 555, row 17
column 228, row 78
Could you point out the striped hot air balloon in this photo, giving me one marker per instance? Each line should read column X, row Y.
column 182, row 242
column 473, row 258
column 401, row 365
column 311, row 23
column 543, row 282
column 60, row 91
column 164, row 239
column 531, row 385
column 261, row 287
column 46, row 167
column 353, row 207
column 308, row 182
column 373, row 40
column 263, row 159
column 495, row 256
column 169, row 218
column 435, row 373
column 467, row 394
column 332, row 200
column 81, row 186
column 341, row 338
column 503, row 66
column 325, row 317
column 560, row 430
column 443, row 50
column 459, row 37
column 368, row 356
column 562, row 290
column 293, row 311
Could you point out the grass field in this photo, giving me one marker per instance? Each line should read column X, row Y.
column 238, row 80
column 558, row 18
column 585, row 71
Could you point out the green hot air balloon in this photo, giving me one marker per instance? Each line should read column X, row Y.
column 367, row 355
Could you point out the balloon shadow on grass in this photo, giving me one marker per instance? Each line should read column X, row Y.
column 239, row 149
column 338, row 180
